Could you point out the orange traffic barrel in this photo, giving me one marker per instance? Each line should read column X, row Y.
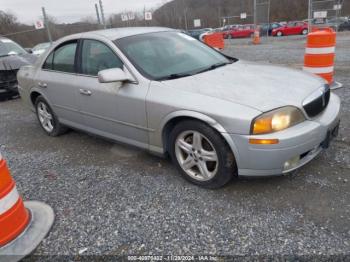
column 320, row 53
column 256, row 36
column 13, row 215
column 23, row 225
column 215, row 40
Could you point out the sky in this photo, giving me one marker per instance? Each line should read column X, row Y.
column 67, row 11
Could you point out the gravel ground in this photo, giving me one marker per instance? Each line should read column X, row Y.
column 113, row 200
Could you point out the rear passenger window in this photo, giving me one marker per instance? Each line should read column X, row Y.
column 62, row 59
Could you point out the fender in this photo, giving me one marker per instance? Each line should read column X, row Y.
column 193, row 114
column 202, row 117
column 38, row 90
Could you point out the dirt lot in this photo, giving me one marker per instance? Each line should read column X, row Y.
column 111, row 199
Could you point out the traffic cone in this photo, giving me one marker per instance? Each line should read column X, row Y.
column 22, row 225
column 256, row 37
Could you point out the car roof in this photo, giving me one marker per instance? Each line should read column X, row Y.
column 117, row 33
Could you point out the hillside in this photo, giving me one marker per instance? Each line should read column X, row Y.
column 173, row 13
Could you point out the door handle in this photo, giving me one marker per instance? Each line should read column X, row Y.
column 85, row 92
column 42, row 85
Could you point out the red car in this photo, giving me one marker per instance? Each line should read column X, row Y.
column 292, row 28
column 240, row 32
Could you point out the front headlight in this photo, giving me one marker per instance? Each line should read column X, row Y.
column 277, row 120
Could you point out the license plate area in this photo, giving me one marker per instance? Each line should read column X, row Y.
column 331, row 134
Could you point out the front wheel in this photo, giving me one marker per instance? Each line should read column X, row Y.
column 304, row 32
column 279, row 33
column 201, row 154
column 47, row 119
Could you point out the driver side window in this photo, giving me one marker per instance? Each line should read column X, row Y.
column 96, row 56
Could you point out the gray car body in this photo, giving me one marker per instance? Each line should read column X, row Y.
column 142, row 112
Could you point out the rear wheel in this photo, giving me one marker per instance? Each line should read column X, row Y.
column 229, row 37
column 304, row 32
column 47, row 118
column 201, row 154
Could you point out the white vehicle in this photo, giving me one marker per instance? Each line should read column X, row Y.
column 39, row 49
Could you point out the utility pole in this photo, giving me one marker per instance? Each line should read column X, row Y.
column 46, row 22
column 185, row 14
column 309, row 16
column 268, row 17
column 97, row 14
column 102, row 15
column 255, row 15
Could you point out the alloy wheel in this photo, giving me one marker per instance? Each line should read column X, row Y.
column 45, row 117
column 196, row 155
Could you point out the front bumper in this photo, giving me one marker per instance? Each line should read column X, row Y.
column 300, row 143
column 8, row 83
column 8, row 93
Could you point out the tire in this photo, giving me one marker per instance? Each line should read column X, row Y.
column 212, row 155
column 229, row 37
column 44, row 113
column 304, row 32
column 279, row 34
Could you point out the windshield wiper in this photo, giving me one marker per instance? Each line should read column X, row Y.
column 212, row 67
column 180, row 75
column 173, row 76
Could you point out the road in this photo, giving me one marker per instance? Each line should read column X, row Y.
column 111, row 199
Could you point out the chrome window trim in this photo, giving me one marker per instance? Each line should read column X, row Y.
column 136, row 82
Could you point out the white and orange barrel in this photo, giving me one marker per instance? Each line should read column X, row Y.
column 14, row 217
column 23, row 225
column 320, row 53
column 215, row 40
column 256, row 36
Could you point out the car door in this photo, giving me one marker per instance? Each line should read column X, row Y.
column 57, row 82
column 301, row 27
column 245, row 31
column 296, row 29
column 116, row 110
column 240, row 32
column 288, row 29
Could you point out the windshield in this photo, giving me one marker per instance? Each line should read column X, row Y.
column 8, row 47
column 275, row 26
column 170, row 55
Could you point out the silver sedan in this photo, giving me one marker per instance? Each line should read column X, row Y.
column 161, row 90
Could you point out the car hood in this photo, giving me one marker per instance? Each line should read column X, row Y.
column 14, row 62
column 262, row 87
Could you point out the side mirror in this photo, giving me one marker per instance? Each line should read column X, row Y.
column 29, row 50
column 114, row 75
